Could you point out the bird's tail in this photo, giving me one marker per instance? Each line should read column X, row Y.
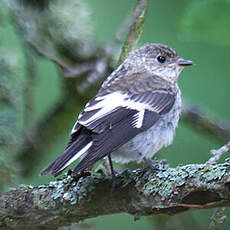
column 73, row 151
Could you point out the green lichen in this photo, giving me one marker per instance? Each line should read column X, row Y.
column 6, row 221
column 167, row 189
column 216, row 173
column 87, row 184
column 164, row 186
column 21, row 187
column 190, row 169
column 166, row 183
column 155, row 183
column 41, row 199
column 69, row 190
column 58, row 189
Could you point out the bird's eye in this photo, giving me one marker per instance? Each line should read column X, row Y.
column 161, row 59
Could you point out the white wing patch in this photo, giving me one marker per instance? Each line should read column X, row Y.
column 77, row 155
column 130, row 104
column 139, row 117
column 74, row 128
column 106, row 104
column 109, row 103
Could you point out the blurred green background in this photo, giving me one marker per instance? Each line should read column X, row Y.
column 197, row 30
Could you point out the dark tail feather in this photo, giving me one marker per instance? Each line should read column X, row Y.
column 71, row 153
column 83, row 164
column 90, row 159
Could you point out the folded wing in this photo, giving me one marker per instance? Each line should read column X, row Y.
column 110, row 120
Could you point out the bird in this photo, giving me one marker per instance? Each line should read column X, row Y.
column 134, row 114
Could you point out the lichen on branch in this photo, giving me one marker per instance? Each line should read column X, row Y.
column 137, row 192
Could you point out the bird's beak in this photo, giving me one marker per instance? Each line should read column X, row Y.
column 183, row 62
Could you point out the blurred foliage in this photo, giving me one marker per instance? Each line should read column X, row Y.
column 217, row 218
column 70, row 31
column 10, row 98
column 207, row 21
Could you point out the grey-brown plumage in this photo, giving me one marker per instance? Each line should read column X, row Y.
column 134, row 114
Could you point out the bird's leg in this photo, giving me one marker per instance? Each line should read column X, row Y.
column 111, row 167
column 108, row 166
column 114, row 176
column 151, row 165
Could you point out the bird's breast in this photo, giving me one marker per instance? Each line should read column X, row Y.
column 149, row 142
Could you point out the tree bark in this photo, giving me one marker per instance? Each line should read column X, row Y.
column 137, row 192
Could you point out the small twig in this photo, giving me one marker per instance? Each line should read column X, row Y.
column 134, row 23
column 217, row 218
column 28, row 87
column 135, row 29
column 80, row 69
column 217, row 153
column 97, row 70
column 29, row 90
column 42, row 53
column 100, row 70
column 203, row 121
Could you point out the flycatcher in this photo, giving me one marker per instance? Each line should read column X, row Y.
column 134, row 114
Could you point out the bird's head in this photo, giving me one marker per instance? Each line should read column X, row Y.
column 160, row 60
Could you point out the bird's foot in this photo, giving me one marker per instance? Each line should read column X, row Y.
column 75, row 177
column 155, row 166
column 116, row 180
column 108, row 166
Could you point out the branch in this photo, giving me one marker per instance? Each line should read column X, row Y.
column 134, row 24
column 47, row 56
column 217, row 153
column 138, row 18
column 217, row 218
column 168, row 191
column 202, row 121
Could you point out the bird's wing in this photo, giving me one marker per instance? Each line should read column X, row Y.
column 117, row 117
column 77, row 146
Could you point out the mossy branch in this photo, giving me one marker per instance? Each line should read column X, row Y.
column 167, row 190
